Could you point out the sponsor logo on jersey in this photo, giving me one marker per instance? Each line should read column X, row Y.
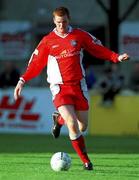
column 67, row 53
column 64, row 52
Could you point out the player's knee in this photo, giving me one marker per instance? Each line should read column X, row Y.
column 74, row 131
column 72, row 125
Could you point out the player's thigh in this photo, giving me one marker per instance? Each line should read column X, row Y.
column 69, row 115
column 82, row 119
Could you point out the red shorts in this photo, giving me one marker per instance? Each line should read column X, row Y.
column 70, row 95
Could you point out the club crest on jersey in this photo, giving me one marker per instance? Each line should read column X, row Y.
column 73, row 42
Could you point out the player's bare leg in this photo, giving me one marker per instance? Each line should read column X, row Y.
column 82, row 120
column 59, row 122
column 71, row 120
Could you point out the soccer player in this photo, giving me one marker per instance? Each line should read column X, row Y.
column 62, row 52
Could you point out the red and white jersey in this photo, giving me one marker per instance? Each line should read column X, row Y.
column 63, row 56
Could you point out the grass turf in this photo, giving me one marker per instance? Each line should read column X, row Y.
column 27, row 157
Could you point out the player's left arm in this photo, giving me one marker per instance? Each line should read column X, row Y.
column 123, row 57
column 101, row 52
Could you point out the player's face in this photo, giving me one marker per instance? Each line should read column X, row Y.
column 61, row 23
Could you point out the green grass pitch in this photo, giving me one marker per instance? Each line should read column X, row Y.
column 27, row 157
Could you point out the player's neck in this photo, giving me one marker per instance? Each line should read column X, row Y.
column 63, row 34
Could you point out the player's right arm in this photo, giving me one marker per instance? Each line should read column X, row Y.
column 36, row 64
column 18, row 89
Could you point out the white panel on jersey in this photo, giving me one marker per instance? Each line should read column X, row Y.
column 53, row 72
column 81, row 64
column 55, row 89
column 84, row 88
column 83, row 85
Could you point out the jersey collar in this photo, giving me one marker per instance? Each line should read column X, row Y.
column 70, row 29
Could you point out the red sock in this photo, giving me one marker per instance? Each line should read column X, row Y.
column 60, row 120
column 79, row 146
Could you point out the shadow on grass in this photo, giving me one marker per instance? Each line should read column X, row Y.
column 18, row 143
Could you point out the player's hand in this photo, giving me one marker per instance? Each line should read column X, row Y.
column 18, row 89
column 123, row 57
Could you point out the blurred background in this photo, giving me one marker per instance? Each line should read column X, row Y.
column 113, row 89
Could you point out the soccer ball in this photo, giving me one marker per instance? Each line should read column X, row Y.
column 60, row 161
